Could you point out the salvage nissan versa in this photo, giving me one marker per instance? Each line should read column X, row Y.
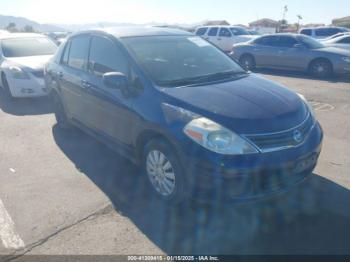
column 189, row 115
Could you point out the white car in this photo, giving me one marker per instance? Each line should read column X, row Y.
column 22, row 60
column 224, row 37
column 340, row 42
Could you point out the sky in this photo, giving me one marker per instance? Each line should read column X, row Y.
column 175, row 11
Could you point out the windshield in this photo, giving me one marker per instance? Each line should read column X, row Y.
column 310, row 42
column 181, row 60
column 19, row 47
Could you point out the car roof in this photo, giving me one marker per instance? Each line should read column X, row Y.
column 135, row 31
column 19, row 35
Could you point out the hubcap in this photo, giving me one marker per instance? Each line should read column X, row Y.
column 160, row 172
column 320, row 68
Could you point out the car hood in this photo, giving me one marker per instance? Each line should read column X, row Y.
column 249, row 105
column 335, row 50
column 30, row 62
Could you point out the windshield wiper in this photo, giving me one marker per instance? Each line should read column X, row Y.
column 204, row 78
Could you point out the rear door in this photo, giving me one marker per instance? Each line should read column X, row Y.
column 212, row 36
column 111, row 112
column 225, row 39
column 74, row 70
column 265, row 50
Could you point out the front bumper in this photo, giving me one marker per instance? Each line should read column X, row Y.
column 341, row 68
column 32, row 87
column 240, row 178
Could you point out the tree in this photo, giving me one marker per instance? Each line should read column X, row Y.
column 28, row 28
column 12, row 27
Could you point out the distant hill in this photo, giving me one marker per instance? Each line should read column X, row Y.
column 22, row 22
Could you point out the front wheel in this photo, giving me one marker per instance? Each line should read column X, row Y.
column 321, row 68
column 247, row 62
column 165, row 173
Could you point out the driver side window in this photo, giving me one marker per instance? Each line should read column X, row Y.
column 106, row 57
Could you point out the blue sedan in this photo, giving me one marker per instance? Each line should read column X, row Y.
column 196, row 123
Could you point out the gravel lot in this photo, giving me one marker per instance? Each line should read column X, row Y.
column 65, row 193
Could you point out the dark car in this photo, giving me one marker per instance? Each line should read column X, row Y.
column 293, row 52
column 197, row 123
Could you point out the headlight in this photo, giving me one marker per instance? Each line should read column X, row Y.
column 217, row 138
column 346, row 59
column 18, row 73
column 311, row 109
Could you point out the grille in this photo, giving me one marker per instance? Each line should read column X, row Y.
column 38, row 73
column 285, row 139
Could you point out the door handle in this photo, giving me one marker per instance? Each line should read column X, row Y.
column 219, row 39
column 60, row 74
column 85, row 84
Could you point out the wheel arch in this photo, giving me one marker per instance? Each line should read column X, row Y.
column 147, row 135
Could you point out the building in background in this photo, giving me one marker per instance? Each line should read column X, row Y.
column 216, row 22
column 345, row 21
column 264, row 26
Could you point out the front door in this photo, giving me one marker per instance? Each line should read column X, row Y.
column 112, row 110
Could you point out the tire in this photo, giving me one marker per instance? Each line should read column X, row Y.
column 247, row 62
column 6, row 87
column 169, row 172
column 321, row 68
column 60, row 113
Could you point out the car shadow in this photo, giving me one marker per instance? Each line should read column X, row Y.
column 302, row 75
column 312, row 218
column 25, row 106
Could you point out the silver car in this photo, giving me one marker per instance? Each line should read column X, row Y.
column 340, row 42
column 292, row 52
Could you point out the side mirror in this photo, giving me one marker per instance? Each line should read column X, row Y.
column 115, row 80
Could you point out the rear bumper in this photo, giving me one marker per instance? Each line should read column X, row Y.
column 244, row 178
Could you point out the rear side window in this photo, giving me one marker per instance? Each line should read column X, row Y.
column 213, row 31
column 106, row 57
column 78, row 52
column 306, row 32
column 224, row 32
column 201, row 31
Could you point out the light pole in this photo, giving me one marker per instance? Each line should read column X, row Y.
column 299, row 18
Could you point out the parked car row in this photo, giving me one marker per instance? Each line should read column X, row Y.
column 191, row 117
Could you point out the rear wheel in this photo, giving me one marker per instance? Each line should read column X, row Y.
column 247, row 62
column 321, row 68
column 165, row 173
column 60, row 113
